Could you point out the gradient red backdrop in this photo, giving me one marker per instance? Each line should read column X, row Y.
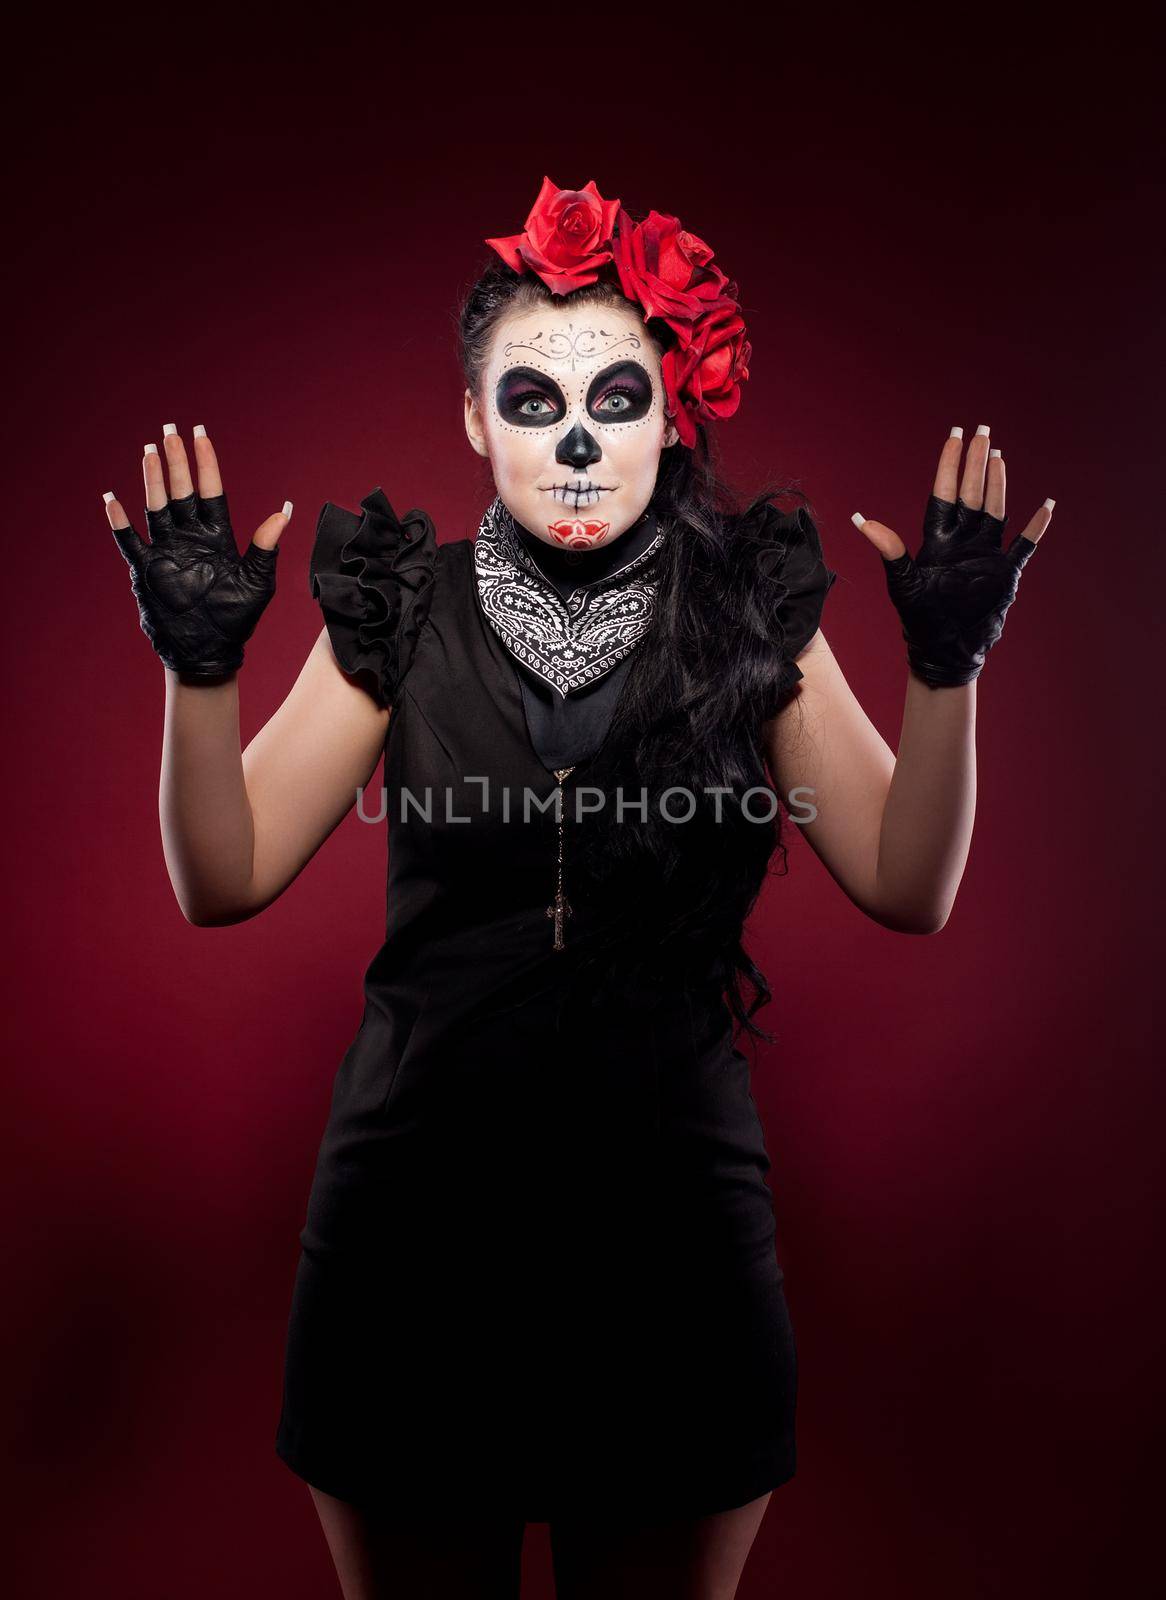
column 268, row 235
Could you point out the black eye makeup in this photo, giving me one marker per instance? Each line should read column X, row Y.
column 529, row 399
column 620, row 393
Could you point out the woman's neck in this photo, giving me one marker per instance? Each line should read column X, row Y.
column 568, row 569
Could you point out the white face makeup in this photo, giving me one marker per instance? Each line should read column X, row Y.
column 572, row 419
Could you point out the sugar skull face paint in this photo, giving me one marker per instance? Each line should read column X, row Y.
column 571, row 416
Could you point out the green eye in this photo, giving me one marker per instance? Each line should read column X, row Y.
column 528, row 399
column 621, row 394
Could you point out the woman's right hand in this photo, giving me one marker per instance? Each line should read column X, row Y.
column 198, row 600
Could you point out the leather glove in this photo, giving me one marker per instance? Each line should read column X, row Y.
column 952, row 597
column 198, row 599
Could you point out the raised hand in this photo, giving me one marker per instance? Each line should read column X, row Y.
column 952, row 597
column 198, row 599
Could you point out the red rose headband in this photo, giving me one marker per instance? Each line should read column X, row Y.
column 573, row 236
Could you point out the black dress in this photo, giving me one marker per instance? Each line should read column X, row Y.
column 538, row 1267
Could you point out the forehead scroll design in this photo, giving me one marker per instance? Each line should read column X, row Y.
column 573, row 346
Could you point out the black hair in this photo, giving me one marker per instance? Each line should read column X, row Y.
column 703, row 679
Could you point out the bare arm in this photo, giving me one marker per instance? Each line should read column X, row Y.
column 239, row 826
column 894, row 831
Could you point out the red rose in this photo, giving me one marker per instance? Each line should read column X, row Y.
column 702, row 378
column 573, row 235
column 667, row 270
column 566, row 240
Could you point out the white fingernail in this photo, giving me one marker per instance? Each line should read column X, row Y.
column 151, row 449
column 858, row 519
column 983, row 428
column 287, row 508
column 108, row 496
column 199, row 431
column 1049, row 504
column 956, row 433
column 992, row 453
column 169, row 427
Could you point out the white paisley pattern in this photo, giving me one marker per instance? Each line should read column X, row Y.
column 568, row 643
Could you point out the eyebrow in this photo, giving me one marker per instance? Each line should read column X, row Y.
column 619, row 366
column 530, row 375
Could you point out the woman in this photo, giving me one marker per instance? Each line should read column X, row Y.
column 538, row 1278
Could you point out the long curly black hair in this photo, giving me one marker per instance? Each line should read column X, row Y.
column 704, row 678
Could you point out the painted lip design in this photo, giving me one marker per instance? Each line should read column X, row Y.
column 578, row 533
column 578, row 494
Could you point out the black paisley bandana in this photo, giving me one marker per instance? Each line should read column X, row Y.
column 568, row 643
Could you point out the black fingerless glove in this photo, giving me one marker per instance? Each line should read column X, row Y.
column 952, row 597
column 198, row 599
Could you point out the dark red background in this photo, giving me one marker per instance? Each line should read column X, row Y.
column 268, row 235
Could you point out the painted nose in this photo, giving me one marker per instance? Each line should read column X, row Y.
column 578, row 449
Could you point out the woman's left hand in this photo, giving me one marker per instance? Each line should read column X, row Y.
column 952, row 597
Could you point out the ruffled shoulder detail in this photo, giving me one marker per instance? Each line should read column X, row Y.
column 793, row 581
column 373, row 575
